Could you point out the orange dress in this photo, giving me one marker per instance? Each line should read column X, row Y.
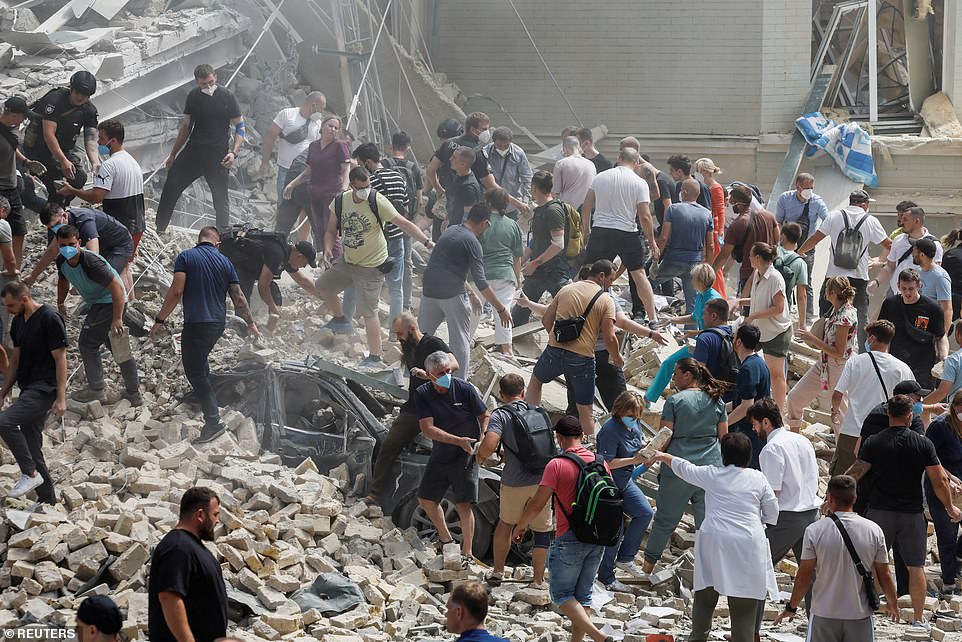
column 718, row 222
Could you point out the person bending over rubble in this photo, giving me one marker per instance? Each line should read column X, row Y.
column 415, row 349
column 453, row 416
column 39, row 366
column 208, row 113
column 98, row 232
column 203, row 277
column 100, row 287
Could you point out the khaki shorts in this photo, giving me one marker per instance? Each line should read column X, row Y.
column 513, row 500
column 366, row 281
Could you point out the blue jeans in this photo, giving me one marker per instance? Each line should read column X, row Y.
column 572, row 567
column 670, row 269
column 395, row 278
column 408, row 278
column 640, row 512
column 579, row 372
column 281, row 182
column 947, row 536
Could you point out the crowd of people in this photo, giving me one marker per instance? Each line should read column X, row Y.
column 501, row 237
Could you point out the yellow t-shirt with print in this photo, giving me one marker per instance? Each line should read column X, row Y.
column 364, row 242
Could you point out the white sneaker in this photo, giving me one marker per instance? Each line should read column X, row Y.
column 24, row 485
column 618, row 587
column 632, row 569
column 924, row 626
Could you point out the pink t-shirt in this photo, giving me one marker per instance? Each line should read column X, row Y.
column 561, row 476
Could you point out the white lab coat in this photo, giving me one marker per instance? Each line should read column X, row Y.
column 732, row 554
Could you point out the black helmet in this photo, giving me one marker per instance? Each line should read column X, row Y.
column 84, row 82
column 450, row 128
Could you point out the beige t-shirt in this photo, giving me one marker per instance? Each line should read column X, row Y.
column 572, row 301
column 764, row 288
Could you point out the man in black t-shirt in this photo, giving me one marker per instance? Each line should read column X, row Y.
column 209, row 111
column 39, row 367
column 545, row 269
column 99, row 233
column 464, row 192
column 415, row 347
column 919, row 324
column 476, row 135
column 263, row 259
column 899, row 457
column 589, row 151
column 61, row 115
column 186, row 588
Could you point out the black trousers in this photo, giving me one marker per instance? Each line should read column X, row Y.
column 609, row 379
column 549, row 278
column 196, row 342
column 94, row 333
column 192, row 163
column 21, row 428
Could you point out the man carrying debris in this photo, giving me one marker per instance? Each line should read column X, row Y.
column 445, row 295
column 899, row 457
column 14, row 112
column 293, row 130
column 466, row 611
column 98, row 620
column 453, row 416
column 840, row 608
column 99, row 286
column 788, row 462
column 39, row 366
column 573, row 565
column 99, row 233
column 361, row 214
column 119, row 186
column 416, row 346
column 186, row 594
column 208, row 113
column 58, row 118
column 571, row 345
column 203, row 277
column 521, row 475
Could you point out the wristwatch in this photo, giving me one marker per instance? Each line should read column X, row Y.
column 790, row 608
column 159, row 320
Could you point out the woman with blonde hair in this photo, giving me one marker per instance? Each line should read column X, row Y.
column 835, row 342
column 620, row 441
column 707, row 168
column 703, row 277
column 945, row 433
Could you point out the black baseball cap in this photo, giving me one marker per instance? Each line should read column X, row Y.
column 910, row 387
column 308, row 251
column 101, row 611
column 16, row 105
column 859, row 196
column 569, row 426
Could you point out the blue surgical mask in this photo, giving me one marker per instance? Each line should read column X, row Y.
column 631, row 423
column 444, row 381
column 104, row 150
column 868, row 347
column 56, row 227
column 69, row 251
column 917, row 409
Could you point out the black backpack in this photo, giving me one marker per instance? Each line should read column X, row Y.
column 727, row 357
column 407, row 169
column 371, row 200
column 598, row 511
column 238, row 241
column 533, row 437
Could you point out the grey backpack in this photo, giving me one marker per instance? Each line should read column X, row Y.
column 850, row 245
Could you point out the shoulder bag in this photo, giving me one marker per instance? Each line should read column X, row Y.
column 868, row 581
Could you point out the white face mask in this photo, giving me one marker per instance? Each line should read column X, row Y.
column 209, row 90
column 807, row 194
column 484, row 137
column 362, row 193
column 502, row 152
column 316, row 116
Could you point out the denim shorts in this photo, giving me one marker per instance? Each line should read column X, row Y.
column 572, row 568
column 579, row 372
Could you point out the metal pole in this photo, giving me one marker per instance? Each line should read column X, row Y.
column 873, row 61
column 267, row 25
column 353, row 110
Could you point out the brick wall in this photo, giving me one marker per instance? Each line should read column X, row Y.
column 686, row 66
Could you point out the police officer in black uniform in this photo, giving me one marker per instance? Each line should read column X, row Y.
column 59, row 118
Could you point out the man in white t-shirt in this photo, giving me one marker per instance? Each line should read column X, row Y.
column 900, row 256
column 572, row 175
column 293, row 130
column 854, row 216
column 840, row 608
column 620, row 198
column 119, row 189
column 866, row 388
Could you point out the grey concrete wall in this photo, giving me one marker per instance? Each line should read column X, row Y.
column 686, row 66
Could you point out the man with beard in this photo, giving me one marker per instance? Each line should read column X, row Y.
column 187, row 598
column 416, row 346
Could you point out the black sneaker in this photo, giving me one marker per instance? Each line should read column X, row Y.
column 210, row 432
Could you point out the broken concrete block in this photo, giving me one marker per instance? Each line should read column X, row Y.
column 129, row 563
